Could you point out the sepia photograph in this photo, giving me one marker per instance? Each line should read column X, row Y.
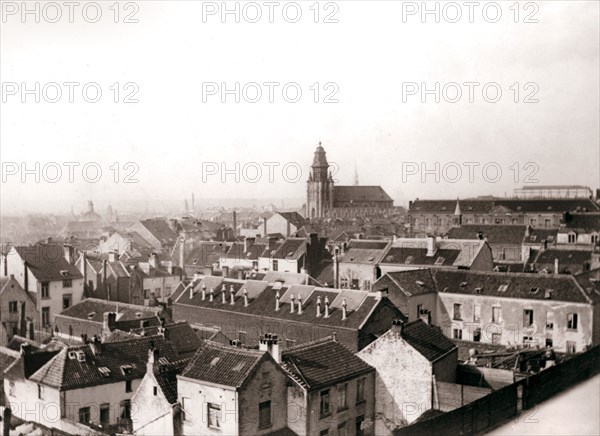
column 299, row 218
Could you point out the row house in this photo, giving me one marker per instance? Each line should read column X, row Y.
column 246, row 309
column 357, row 265
column 89, row 385
column 47, row 272
column 580, row 230
column 410, row 359
column 505, row 241
column 439, row 216
column 514, row 309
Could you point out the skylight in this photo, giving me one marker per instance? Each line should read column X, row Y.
column 215, row 361
column 534, row 290
column 463, row 284
column 238, row 367
column 502, row 288
column 420, row 283
column 104, row 371
column 409, row 259
column 126, row 369
column 439, row 261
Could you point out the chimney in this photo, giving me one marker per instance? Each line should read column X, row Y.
column 192, row 291
column 431, row 245
column 318, row 306
column 232, row 295
column 291, row 303
column 5, row 265
column 31, row 331
column 270, row 343
column 69, row 253
column 299, row 304
column 326, row 307
column 556, row 270
column 223, row 297
column 203, row 291
column 153, row 260
column 240, row 274
column 25, row 276
column 182, row 252
column 96, row 346
column 112, row 256
column 397, row 326
column 245, row 297
column 336, row 268
column 265, row 230
column 275, row 349
column 234, row 223
column 277, row 297
column 344, row 309
column 425, row 316
column 153, row 356
column 25, row 348
column 288, row 228
column 104, row 270
column 211, row 294
column 84, row 272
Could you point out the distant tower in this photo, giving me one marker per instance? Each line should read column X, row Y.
column 457, row 214
column 90, row 206
column 193, row 203
column 355, row 175
column 187, row 208
column 319, row 198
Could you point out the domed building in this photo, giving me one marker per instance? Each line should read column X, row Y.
column 325, row 200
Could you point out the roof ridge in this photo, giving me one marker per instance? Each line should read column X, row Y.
column 309, row 344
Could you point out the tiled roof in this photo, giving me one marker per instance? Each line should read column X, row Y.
column 449, row 252
column 360, row 304
column 205, row 253
column 427, row 340
column 47, row 262
column 181, row 334
column 367, row 244
column 254, row 251
column 28, row 364
column 471, row 206
column 93, row 309
column 495, row 234
column 65, row 371
column 561, row 287
column 322, row 362
column 223, row 364
column 291, row 248
column 538, row 235
column 294, row 217
column 371, row 194
column 364, row 251
column 587, row 222
column 565, row 257
column 166, row 376
column 160, row 230
column 409, row 283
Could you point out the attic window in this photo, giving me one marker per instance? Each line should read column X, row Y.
column 195, row 261
column 80, row 356
column 479, row 290
column 420, row 283
column 502, row 288
column 215, row 361
column 463, row 284
column 104, row 371
column 534, row 290
column 91, row 315
column 138, row 314
column 238, row 367
column 551, row 238
column 371, row 259
column 64, row 273
column 548, row 294
column 163, row 360
column 126, row 369
column 409, row 259
column 72, row 355
column 533, row 237
column 440, row 261
column 549, row 207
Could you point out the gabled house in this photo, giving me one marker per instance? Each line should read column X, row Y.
column 232, row 391
column 17, row 309
column 286, row 223
column 409, row 359
column 505, row 241
column 157, row 232
column 333, row 391
column 47, row 272
column 289, row 256
column 91, row 384
column 358, row 263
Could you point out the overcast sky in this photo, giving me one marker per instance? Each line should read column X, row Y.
column 368, row 57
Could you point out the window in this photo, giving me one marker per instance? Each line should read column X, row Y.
column 549, row 320
column 275, row 265
column 40, row 392
column 126, row 409
column 45, row 290
column 548, row 342
column 67, row 298
column 155, row 390
column 572, row 321
column 496, row 314
column 477, row 313
column 571, row 347
column 496, row 337
column 358, row 426
column 11, row 388
column 342, row 396
column 243, row 337
column 457, row 333
column 360, row 390
column 146, row 294
column 84, row 415
column 367, row 285
column 45, row 316
column 547, row 222
column 532, row 221
column 67, row 283
column 477, row 334
column 264, row 414
column 185, row 402
column 342, row 429
column 324, row 432
column 324, row 403
column 104, row 414
column 128, row 386
column 167, row 291
column 214, row 415
column 13, row 306
column 595, row 238
column 527, row 318
column 456, row 313
column 572, row 238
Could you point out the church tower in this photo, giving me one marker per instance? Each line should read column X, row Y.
column 319, row 198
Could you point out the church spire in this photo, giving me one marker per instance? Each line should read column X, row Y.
column 355, row 175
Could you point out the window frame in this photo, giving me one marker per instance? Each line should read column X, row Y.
column 269, row 407
column 360, row 390
column 324, row 403
column 213, row 410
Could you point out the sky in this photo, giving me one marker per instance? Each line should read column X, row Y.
column 363, row 71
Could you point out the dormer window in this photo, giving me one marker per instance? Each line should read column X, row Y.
column 502, row 288
column 440, row 261
column 479, row 290
column 463, row 284
column 91, row 315
column 408, row 260
column 126, row 369
column 534, row 290
column 104, row 371
column 64, row 273
column 420, row 283
column 195, row 261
